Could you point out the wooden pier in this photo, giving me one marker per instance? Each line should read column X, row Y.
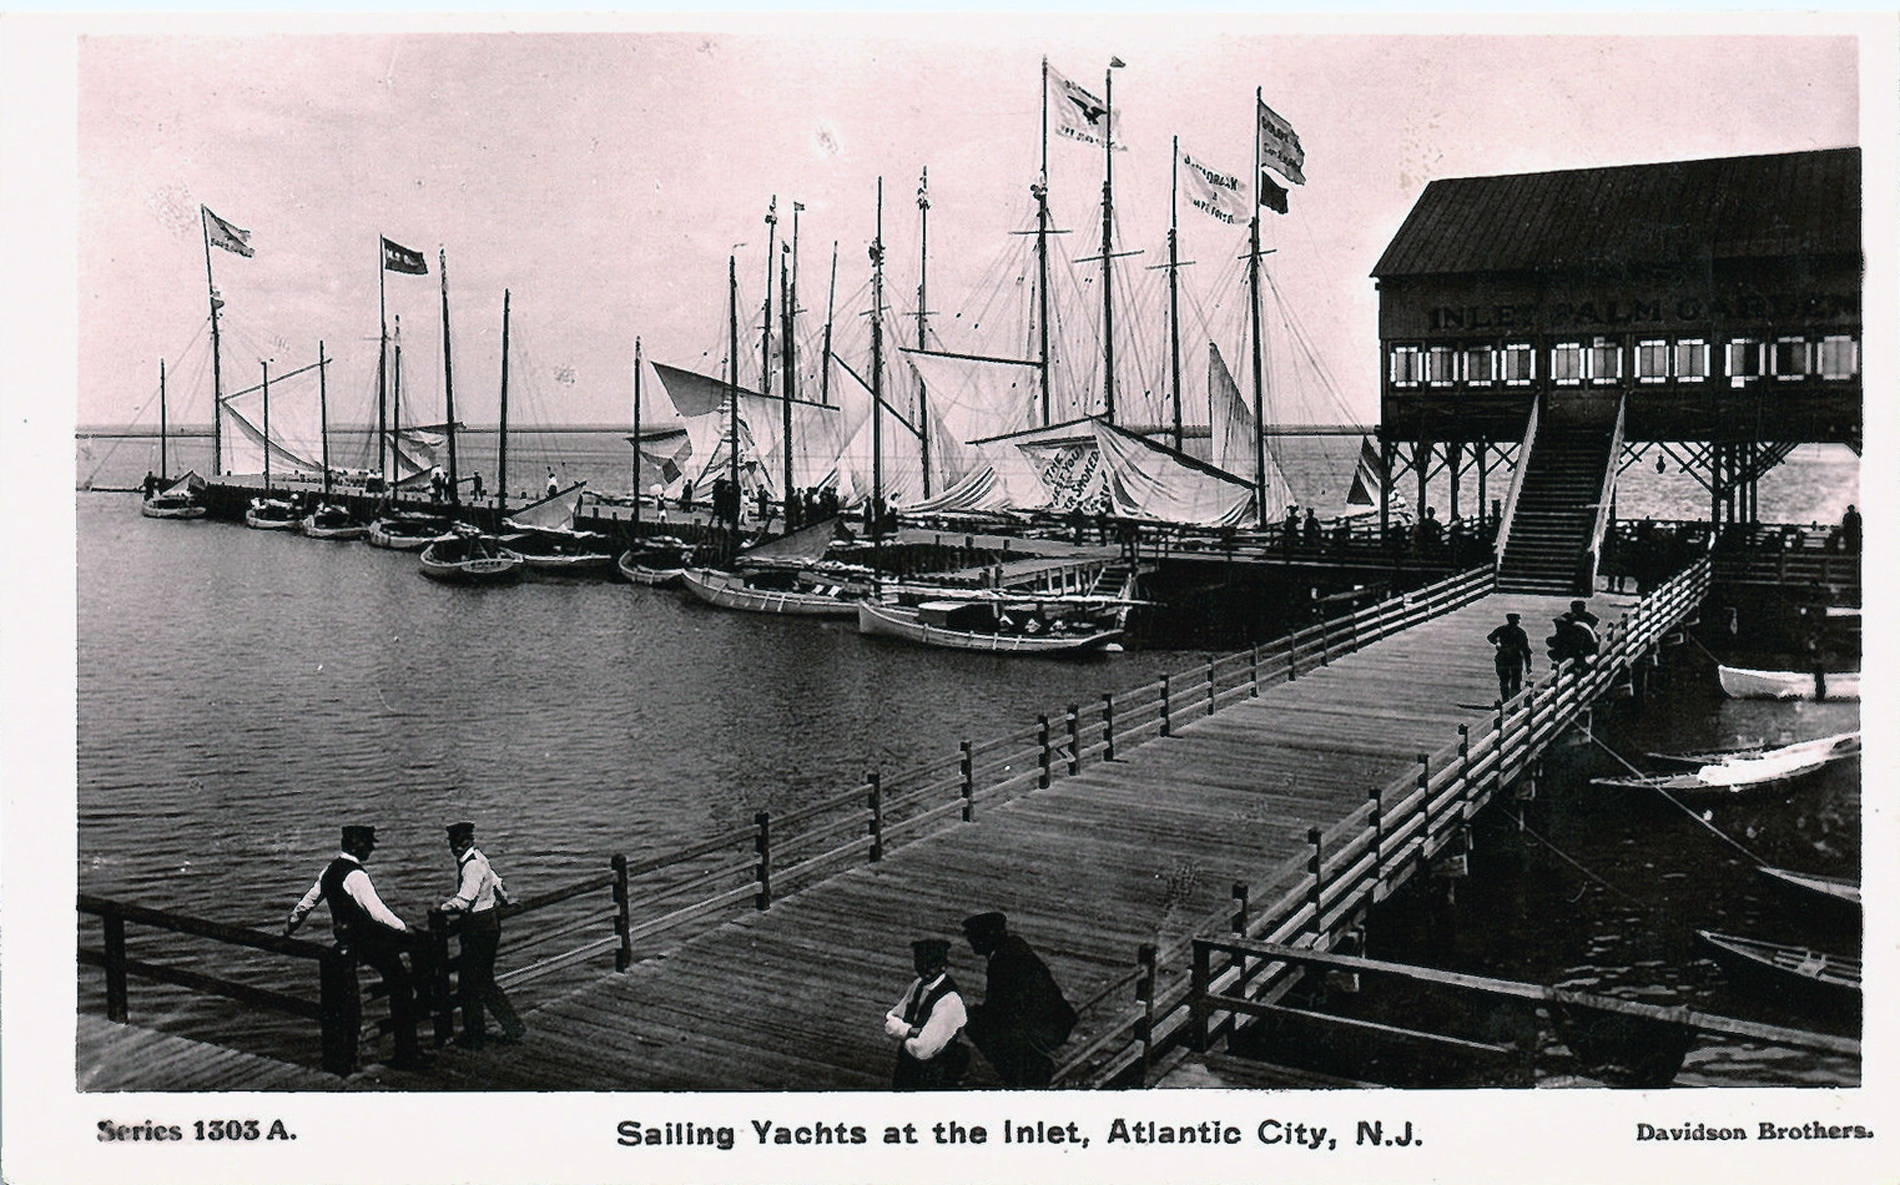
column 1272, row 795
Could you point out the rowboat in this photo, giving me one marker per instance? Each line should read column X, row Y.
column 559, row 552
column 1744, row 683
column 469, row 557
column 1834, row 893
column 989, row 626
column 793, row 592
column 1696, row 760
column 1748, row 773
column 1833, row 979
column 331, row 522
column 271, row 514
column 658, row 562
column 406, row 532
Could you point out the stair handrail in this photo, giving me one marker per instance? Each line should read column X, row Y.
column 1606, row 495
column 1517, row 479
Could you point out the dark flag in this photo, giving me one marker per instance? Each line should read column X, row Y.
column 1271, row 195
column 397, row 258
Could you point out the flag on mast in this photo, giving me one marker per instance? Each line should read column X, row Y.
column 223, row 234
column 1079, row 115
column 1272, row 196
column 1280, row 145
column 397, row 258
column 1214, row 193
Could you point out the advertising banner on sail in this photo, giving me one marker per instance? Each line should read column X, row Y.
column 1280, row 145
column 1080, row 116
column 1214, row 193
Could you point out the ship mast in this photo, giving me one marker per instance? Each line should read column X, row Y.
column 732, row 376
column 382, row 363
column 1253, row 317
column 1174, row 289
column 265, row 363
column 448, row 376
column 217, row 381
column 877, row 384
column 323, row 416
column 785, row 353
column 765, row 345
column 501, row 477
column 831, row 300
column 161, row 419
column 1108, row 207
column 923, row 306
column 636, row 431
column 1041, row 192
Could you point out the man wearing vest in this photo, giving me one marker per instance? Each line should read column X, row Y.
column 366, row 927
column 926, row 1024
column 478, row 892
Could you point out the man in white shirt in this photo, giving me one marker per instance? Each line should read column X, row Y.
column 478, row 892
column 926, row 1023
column 367, row 928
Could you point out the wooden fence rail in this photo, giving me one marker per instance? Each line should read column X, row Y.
column 1365, row 857
column 664, row 897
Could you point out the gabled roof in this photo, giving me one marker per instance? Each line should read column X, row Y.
column 1786, row 204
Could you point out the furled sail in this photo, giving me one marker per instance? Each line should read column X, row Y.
column 704, row 410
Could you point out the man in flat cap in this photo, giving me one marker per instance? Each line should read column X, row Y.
column 1023, row 1016
column 1513, row 657
column 926, row 1023
column 365, row 926
column 478, row 892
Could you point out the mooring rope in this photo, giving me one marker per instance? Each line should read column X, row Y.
column 1680, row 805
column 1561, row 855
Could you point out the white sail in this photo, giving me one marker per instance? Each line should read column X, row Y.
column 1146, row 479
column 554, row 513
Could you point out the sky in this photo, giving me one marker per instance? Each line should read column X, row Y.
column 604, row 178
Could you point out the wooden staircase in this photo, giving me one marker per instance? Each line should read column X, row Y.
column 1553, row 528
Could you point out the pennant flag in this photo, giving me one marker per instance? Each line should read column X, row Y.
column 223, row 234
column 1280, row 146
column 1271, row 196
column 397, row 258
column 1214, row 193
column 1079, row 115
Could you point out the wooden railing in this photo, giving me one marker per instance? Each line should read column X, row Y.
column 1365, row 857
column 654, row 903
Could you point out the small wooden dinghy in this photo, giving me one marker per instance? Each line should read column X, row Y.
column 658, row 562
column 180, row 499
column 270, row 514
column 399, row 531
column 985, row 626
column 469, row 557
column 1835, row 894
column 332, row 522
column 1747, row 773
column 1822, row 976
column 1744, row 683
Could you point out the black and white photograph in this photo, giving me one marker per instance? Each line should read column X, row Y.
column 844, row 597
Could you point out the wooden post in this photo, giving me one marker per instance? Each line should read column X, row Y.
column 1108, row 727
column 762, row 843
column 1239, row 924
column 1042, row 758
column 1498, row 786
column 1315, row 864
column 1075, row 740
column 1425, row 805
column 339, row 1010
column 623, row 914
column 1167, row 707
column 1464, row 762
column 1253, row 671
column 1377, row 795
column 1210, row 687
column 968, row 786
column 1145, row 994
column 116, row 993
column 877, row 816
column 438, row 989
column 1199, row 1012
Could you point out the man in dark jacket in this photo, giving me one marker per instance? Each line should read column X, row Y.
column 1513, row 656
column 1023, row 1016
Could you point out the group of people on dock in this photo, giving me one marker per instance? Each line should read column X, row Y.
column 1574, row 635
column 1021, row 1021
column 371, row 931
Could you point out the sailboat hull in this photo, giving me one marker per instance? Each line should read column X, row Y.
column 729, row 591
column 164, row 507
column 902, row 621
column 270, row 515
column 1742, row 683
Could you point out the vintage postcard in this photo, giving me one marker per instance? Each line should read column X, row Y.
column 873, row 597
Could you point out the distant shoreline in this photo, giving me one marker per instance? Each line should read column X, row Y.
column 204, row 431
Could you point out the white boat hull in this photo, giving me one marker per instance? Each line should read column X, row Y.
column 1743, row 683
column 651, row 577
column 161, row 508
column 730, row 592
column 277, row 516
column 899, row 621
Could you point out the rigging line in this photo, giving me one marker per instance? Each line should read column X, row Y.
column 1566, row 858
column 1712, row 828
